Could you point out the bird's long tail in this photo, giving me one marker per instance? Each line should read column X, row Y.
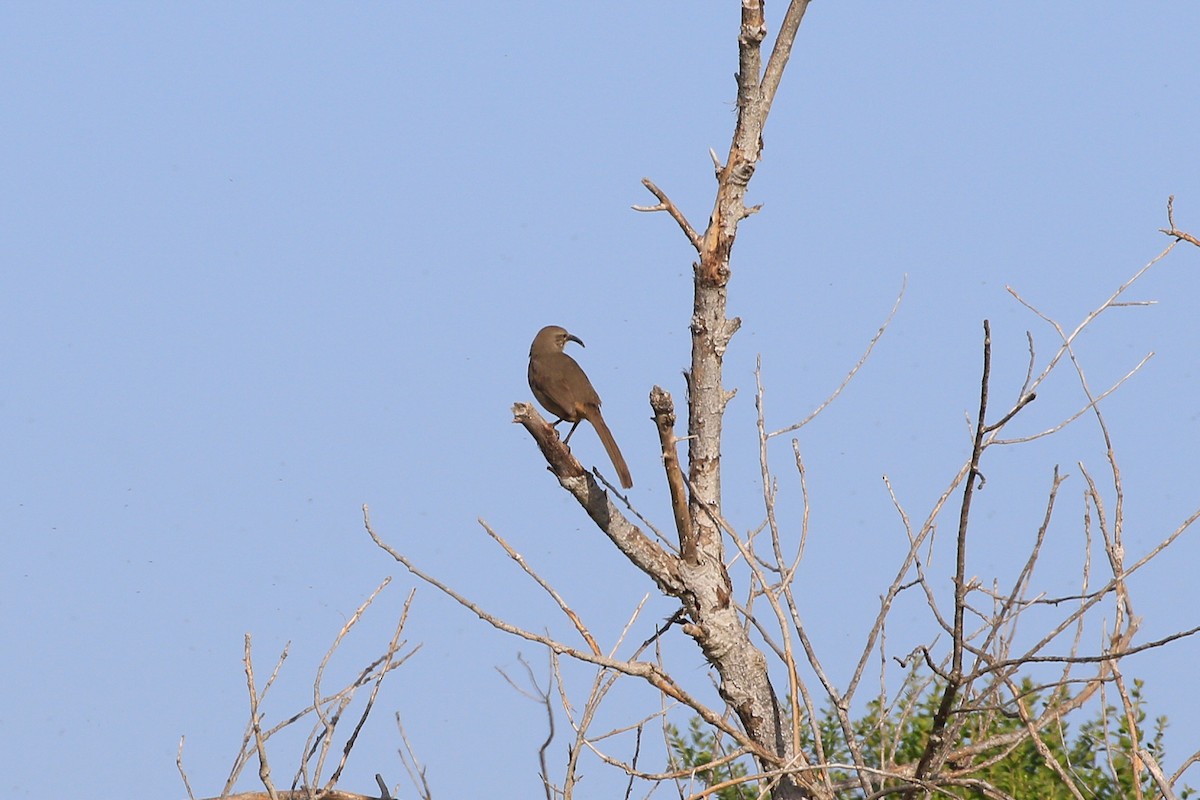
column 610, row 445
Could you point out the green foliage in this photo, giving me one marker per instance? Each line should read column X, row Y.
column 1097, row 757
column 699, row 749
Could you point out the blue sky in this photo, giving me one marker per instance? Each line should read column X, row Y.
column 265, row 263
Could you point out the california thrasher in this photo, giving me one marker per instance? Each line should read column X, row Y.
column 563, row 389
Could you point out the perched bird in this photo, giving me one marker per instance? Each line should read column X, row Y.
column 563, row 389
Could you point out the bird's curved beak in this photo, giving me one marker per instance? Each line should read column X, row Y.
column 573, row 338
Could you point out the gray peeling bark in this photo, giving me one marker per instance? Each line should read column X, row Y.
column 717, row 628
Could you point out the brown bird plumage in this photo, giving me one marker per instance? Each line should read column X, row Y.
column 563, row 389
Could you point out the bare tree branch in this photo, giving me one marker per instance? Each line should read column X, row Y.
column 665, row 204
column 1173, row 230
column 264, row 768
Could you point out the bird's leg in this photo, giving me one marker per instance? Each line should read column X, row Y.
column 573, row 427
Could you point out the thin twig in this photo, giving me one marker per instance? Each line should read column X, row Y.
column 542, row 582
column 414, row 768
column 264, row 767
column 853, row 370
column 393, row 648
column 182, row 772
column 936, row 743
column 665, row 204
column 1173, row 230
